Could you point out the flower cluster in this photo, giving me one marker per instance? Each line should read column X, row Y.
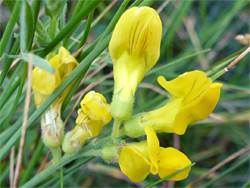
column 134, row 49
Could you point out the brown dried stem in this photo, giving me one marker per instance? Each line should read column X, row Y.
column 24, row 124
column 12, row 156
column 232, row 64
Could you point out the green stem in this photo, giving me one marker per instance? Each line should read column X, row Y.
column 122, row 132
column 93, row 153
column 116, row 127
column 61, row 177
column 56, row 153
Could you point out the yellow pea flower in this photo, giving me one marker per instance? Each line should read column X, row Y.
column 137, row 160
column 193, row 98
column 96, row 107
column 93, row 115
column 44, row 83
column 134, row 49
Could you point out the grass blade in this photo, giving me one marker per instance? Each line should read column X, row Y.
column 163, row 179
column 8, row 31
column 26, row 26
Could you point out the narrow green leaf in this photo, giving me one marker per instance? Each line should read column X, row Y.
column 8, row 63
column 18, row 95
column 38, row 62
column 8, row 31
column 70, row 27
column 32, row 164
column 87, row 29
column 6, row 95
column 170, row 176
column 42, row 38
column 26, row 28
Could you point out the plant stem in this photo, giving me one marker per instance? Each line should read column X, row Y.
column 116, row 127
column 61, row 177
column 56, row 153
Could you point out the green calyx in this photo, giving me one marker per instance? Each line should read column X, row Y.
column 121, row 108
column 133, row 127
column 52, row 128
column 110, row 153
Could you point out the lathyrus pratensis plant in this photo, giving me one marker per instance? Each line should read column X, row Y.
column 134, row 49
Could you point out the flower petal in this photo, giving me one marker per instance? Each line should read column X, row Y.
column 172, row 160
column 153, row 148
column 184, row 84
column 134, row 164
column 95, row 106
column 198, row 109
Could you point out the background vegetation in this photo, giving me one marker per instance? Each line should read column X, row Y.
column 197, row 35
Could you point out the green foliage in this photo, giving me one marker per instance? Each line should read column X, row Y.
column 197, row 35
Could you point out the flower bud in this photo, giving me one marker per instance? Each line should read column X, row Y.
column 75, row 139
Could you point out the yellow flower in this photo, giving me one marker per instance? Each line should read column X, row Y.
column 95, row 106
column 134, row 49
column 44, row 83
column 137, row 160
column 193, row 98
column 93, row 115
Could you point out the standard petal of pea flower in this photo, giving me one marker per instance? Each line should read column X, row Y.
column 134, row 49
column 193, row 98
column 137, row 160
